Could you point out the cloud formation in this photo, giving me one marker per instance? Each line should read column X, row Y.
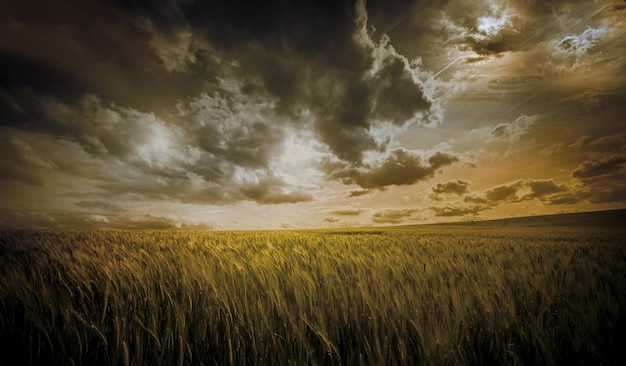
column 224, row 134
column 307, row 71
column 545, row 191
column 217, row 150
column 400, row 167
column 578, row 45
column 486, row 28
column 505, row 133
column 600, row 166
column 444, row 189
column 493, row 28
column 100, row 206
column 354, row 212
column 603, row 177
column 452, row 211
column 66, row 219
column 394, row 216
column 108, row 109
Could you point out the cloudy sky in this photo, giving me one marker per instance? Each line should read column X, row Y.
column 289, row 114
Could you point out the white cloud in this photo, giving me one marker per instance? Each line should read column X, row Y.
column 512, row 131
column 578, row 45
column 504, row 133
column 139, row 138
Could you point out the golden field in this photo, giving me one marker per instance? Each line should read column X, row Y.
column 391, row 296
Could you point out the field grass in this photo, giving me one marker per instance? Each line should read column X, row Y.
column 405, row 296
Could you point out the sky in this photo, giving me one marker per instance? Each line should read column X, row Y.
column 306, row 114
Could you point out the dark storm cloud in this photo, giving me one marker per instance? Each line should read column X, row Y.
column 379, row 86
column 218, row 150
column 71, row 48
column 393, row 216
column 310, row 56
column 401, row 167
column 397, row 95
column 176, row 93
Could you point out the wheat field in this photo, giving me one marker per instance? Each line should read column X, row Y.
column 396, row 296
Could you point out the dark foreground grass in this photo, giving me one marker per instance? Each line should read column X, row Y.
column 405, row 296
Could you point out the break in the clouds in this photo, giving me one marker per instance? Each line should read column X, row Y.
column 255, row 114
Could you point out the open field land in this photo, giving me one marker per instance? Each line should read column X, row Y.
column 524, row 295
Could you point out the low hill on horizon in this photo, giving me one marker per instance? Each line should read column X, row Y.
column 608, row 220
